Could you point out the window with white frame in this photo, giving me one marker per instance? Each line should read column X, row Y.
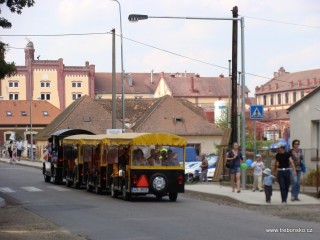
column 13, row 84
column 45, row 96
column 76, row 96
column 76, row 84
column 279, row 98
column 45, row 84
column 13, row 96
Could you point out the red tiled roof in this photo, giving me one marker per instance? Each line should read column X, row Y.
column 141, row 83
column 308, row 79
column 162, row 115
column 16, row 107
column 201, row 86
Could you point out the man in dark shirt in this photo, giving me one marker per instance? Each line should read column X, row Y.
column 282, row 171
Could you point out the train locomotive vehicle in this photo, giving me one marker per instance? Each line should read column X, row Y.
column 143, row 163
column 53, row 165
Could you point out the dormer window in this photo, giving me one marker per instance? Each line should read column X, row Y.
column 45, row 113
column 9, row 113
column 23, row 113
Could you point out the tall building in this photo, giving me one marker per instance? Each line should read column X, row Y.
column 48, row 80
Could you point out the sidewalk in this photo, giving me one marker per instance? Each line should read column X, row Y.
column 215, row 189
column 248, row 196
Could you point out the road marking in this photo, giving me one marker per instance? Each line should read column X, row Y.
column 60, row 189
column 6, row 190
column 32, row 189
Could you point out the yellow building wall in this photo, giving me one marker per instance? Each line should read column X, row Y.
column 207, row 142
column 21, row 89
column 69, row 90
column 50, row 75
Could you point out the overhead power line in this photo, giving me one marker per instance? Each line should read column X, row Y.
column 141, row 43
column 282, row 22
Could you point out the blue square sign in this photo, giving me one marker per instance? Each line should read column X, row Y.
column 256, row 112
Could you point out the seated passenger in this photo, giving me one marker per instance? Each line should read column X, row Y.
column 139, row 159
column 172, row 159
column 123, row 159
column 154, row 160
column 164, row 156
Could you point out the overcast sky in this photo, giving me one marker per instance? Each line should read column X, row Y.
column 268, row 45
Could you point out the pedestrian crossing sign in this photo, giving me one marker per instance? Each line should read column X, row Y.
column 256, row 112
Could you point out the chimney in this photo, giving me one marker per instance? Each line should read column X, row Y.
column 221, row 75
column 277, row 85
column 87, row 64
column 185, row 73
column 151, row 77
column 172, row 75
column 130, row 80
column 262, row 88
column 162, row 74
column 191, row 84
column 197, row 75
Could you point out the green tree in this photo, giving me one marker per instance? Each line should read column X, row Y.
column 15, row 6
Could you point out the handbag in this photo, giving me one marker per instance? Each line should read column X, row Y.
column 229, row 164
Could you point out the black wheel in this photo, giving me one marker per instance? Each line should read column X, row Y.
column 114, row 193
column 159, row 183
column 125, row 193
column 173, row 197
column 189, row 178
column 47, row 178
column 89, row 188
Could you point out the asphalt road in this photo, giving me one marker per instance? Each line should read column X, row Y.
column 101, row 217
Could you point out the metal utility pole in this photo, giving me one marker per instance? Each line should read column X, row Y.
column 114, row 89
column 234, row 133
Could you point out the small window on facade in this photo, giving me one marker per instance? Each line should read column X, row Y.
column 76, row 96
column 264, row 100
column 13, row 84
column 9, row 114
column 74, row 84
column 23, row 113
column 287, row 98
column 45, row 96
column 47, row 84
column 279, row 99
column 13, row 96
column 302, row 94
column 294, row 97
column 79, row 84
column 45, row 113
column 42, row 84
column 271, row 99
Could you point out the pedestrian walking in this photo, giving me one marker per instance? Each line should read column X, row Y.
column 258, row 167
column 19, row 146
column 282, row 169
column 235, row 156
column 10, row 151
column 267, row 183
column 298, row 160
column 204, row 168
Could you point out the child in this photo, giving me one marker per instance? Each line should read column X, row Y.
column 267, row 181
column 257, row 166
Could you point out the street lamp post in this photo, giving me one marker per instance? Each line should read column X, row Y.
column 138, row 17
column 122, row 70
column 30, row 96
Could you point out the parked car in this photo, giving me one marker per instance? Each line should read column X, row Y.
column 192, row 171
